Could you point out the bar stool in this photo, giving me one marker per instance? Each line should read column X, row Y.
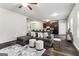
column 56, row 44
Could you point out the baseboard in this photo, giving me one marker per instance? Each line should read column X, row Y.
column 6, row 44
column 62, row 34
column 76, row 46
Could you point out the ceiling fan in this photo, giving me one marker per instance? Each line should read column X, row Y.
column 27, row 5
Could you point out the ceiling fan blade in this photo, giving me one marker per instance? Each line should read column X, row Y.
column 29, row 7
column 33, row 3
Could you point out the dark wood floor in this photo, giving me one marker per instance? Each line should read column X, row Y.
column 67, row 49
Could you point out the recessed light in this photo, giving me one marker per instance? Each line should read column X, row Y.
column 24, row 4
column 47, row 20
column 54, row 14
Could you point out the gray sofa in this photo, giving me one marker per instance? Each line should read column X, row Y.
column 23, row 40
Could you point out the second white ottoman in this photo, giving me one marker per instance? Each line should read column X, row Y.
column 39, row 45
column 32, row 42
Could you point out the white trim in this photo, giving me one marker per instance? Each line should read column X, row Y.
column 76, row 46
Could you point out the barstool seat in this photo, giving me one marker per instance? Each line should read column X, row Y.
column 57, row 39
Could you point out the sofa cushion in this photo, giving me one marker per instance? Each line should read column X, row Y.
column 33, row 34
column 41, row 34
column 45, row 34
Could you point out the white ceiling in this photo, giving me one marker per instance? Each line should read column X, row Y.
column 42, row 11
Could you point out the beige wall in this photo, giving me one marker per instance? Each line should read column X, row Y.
column 74, row 27
column 36, row 25
column 62, row 27
column 11, row 25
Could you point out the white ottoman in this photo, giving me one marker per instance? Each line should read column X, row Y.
column 39, row 45
column 32, row 42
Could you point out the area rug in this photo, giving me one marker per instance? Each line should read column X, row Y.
column 18, row 50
